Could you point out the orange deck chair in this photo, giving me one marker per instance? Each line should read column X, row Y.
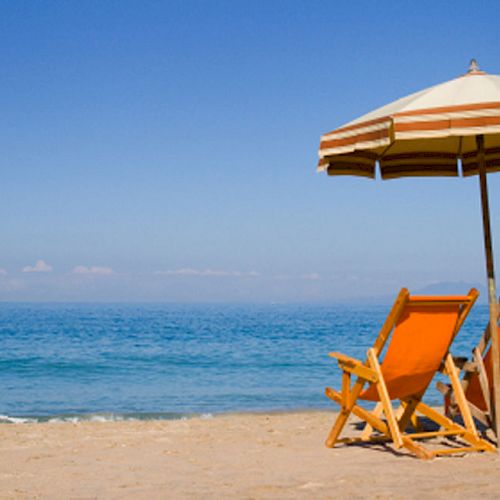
column 420, row 330
column 476, row 383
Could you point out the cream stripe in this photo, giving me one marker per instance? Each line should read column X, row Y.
column 357, row 131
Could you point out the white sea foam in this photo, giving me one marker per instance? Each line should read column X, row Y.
column 61, row 420
column 16, row 420
column 100, row 417
column 91, row 418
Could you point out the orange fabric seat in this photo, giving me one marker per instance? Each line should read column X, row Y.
column 474, row 392
column 418, row 346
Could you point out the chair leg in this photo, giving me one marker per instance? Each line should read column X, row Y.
column 409, row 416
column 452, row 372
column 345, row 411
column 385, row 400
column 484, row 383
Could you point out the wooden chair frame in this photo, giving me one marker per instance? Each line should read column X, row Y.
column 395, row 424
column 470, row 368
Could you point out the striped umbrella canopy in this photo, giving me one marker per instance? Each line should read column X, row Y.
column 446, row 130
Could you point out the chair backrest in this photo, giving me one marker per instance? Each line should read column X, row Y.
column 474, row 393
column 422, row 334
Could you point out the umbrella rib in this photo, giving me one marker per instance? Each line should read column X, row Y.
column 381, row 155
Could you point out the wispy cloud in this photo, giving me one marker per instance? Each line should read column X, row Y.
column 101, row 270
column 306, row 276
column 40, row 267
column 3, row 272
column 188, row 271
column 311, row 277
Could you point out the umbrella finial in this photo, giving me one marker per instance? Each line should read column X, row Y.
column 473, row 66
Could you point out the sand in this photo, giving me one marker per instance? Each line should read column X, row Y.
column 232, row 456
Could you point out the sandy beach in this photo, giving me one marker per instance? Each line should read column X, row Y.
column 230, row 456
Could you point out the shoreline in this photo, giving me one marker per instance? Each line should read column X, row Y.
column 265, row 455
column 105, row 417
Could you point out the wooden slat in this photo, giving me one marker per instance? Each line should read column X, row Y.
column 434, row 302
column 391, row 320
column 460, row 396
column 361, row 371
column 385, row 399
column 417, row 449
column 444, row 389
column 408, row 414
column 347, row 408
column 354, row 366
column 361, row 413
column 480, row 415
column 483, row 380
column 346, row 388
column 430, row 434
column 344, row 358
column 473, row 294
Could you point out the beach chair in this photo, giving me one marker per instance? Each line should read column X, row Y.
column 476, row 383
column 418, row 333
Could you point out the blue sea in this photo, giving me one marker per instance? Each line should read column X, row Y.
column 116, row 361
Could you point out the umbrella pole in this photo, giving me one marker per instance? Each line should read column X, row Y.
column 491, row 286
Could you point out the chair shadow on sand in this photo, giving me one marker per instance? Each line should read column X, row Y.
column 426, row 424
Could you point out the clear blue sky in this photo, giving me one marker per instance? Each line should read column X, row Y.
column 166, row 150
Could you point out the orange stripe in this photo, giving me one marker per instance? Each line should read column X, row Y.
column 447, row 124
column 369, row 136
column 448, row 109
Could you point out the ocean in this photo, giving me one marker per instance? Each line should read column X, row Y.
column 124, row 361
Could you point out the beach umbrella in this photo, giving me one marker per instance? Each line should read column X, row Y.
column 446, row 130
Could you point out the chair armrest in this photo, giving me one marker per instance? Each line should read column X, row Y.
column 344, row 358
column 444, row 389
column 461, row 363
column 355, row 366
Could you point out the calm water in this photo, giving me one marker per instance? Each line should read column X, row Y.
column 165, row 361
